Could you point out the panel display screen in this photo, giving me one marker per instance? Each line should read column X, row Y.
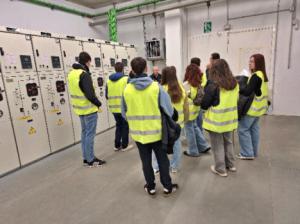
column 125, row 62
column 100, row 81
column 77, row 59
column 112, row 62
column 26, row 62
column 1, row 97
column 32, row 89
column 97, row 62
column 55, row 62
column 60, row 86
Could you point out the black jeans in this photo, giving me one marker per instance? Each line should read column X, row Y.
column 145, row 151
column 122, row 130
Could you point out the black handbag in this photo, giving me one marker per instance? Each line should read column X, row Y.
column 170, row 132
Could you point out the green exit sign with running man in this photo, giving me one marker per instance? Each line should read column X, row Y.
column 207, row 26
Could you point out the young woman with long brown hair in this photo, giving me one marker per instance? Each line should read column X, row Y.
column 196, row 140
column 177, row 94
column 249, row 124
column 221, row 118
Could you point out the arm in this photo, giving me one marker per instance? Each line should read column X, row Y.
column 211, row 96
column 86, row 86
column 123, row 108
column 252, row 87
column 106, row 92
column 165, row 102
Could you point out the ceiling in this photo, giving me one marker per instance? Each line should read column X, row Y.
column 94, row 4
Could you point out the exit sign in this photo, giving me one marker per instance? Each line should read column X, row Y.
column 207, row 26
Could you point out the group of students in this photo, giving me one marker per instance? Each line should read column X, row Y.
column 138, row 101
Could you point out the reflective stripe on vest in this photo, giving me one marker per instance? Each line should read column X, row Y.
column 259, row 105
column 143, row 118
column 143, row 113
column 81, row 105
column 223, row 117
column 114, row 92
column 179, row 106
column 145, row 132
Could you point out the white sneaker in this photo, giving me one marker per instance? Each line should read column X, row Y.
column 117, row 149
column 232, row 169
column 174, row 170
column 127, row 148
column 239, row 156
column 218, row 173
column 156, row 172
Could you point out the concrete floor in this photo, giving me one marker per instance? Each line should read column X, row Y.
column 59, row 190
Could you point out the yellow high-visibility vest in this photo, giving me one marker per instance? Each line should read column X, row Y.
column 193, row 109
column 223, row 117
column 81, row 105
column 115, row 91
column 143, row 113
column 259, row 105
column 204, row 80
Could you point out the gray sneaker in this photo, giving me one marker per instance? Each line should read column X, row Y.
column 127, row 148
column 213, row 169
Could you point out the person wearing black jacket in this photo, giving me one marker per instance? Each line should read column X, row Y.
column 249, row 124
column 220, row 100
column 86, row 105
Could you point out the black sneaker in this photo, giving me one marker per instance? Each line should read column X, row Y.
column 172, row 190
column 96, row 163
column 206, row 150
column 189, row 155
column 150, row 191
column 85, row 162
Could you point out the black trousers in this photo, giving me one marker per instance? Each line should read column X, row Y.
column 122, row 131
column 145, row 151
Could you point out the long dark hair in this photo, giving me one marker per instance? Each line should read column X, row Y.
column 193, row 75
column 169, row 78
column 221, row 75
column 260, row 65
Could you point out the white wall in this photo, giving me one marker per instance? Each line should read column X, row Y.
column 131, row 31
column 28, row 16
column 286, row 90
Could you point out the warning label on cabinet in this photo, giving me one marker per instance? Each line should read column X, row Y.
column 31, row 131
column 60, row 122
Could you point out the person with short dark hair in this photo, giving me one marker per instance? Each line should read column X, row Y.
column 86, row 105
column 143, row 100
column 114, row 90
column 213, row 58
column 196, row 61
column 156, row 76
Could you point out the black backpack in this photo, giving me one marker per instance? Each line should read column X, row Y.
column 199, row 96
column 170, row 132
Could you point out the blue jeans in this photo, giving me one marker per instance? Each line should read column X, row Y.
column 200, row 120
column 88, row 132
column 176, row 159
column 249, row 136
column 195, row 137
column 122, row 131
